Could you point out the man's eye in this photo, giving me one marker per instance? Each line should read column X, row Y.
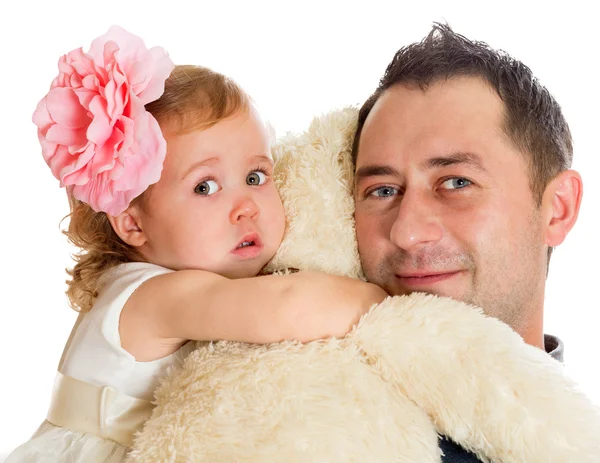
column 207, row 188
column 256, row 178
column 456, row 183
column 383, row 192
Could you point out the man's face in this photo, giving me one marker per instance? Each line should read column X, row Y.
column 443, row 201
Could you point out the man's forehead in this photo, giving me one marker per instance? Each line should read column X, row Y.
column 455, row 92
column 449, row 117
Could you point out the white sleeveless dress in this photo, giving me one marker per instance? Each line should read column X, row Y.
column 102, row 395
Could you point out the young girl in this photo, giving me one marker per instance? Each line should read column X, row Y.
column 173, row 204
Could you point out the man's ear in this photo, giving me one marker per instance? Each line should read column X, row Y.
column 128, row 225
column 561, row 203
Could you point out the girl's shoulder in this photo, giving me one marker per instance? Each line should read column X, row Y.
column 119, row 283
column 123, row 275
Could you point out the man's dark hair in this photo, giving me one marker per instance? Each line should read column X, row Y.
column 533, row 120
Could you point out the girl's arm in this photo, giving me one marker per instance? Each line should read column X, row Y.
column 170, row 309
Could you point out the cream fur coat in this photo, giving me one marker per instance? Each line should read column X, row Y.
column 414, row 367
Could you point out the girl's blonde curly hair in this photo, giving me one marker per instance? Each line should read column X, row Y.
column 195, row 98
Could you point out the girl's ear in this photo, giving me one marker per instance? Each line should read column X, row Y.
column 128, row 225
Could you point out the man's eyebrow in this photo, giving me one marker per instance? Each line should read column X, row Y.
column 380, row 170
column 471, row 159
column 374, row 170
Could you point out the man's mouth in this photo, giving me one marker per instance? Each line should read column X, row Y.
column 424, row 278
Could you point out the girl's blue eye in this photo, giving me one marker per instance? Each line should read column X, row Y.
column 384, row 192
column 256, row 178
column 207, row 188
column 456, row 183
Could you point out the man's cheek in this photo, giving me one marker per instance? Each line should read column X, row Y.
column 479, row 227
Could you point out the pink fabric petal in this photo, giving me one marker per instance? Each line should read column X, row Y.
column 41, row 116
column 100, row 128
column 85, row 97
column 128, row 44
column 146, row 167
column 105, row 155
column 100, row 196
column 162, row 68
column 48, row 148
column 128, row 129
column 65, row 109
column 121, row 201
column 88, row 193
column 81, row 63
column 138, row 76
column 59, row 161
column 78, row 172
column 65, row 136
column 64, row 66
column 109, row 52
column 114, row 93
column 75, row 81
column 91, row 82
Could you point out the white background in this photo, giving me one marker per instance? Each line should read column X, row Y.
column 297, row 60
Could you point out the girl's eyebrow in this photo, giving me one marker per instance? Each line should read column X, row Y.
column 193, row 167
column 216, row 160
column 262, row 157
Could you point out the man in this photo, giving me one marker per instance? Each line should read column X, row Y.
column 463, row 183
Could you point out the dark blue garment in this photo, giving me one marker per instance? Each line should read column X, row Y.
column 454, row 453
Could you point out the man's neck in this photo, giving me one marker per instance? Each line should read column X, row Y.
column 533, row 332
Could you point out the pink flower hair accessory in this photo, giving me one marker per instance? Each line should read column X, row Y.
column 96, row 135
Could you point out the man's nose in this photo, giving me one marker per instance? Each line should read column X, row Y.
column 416, row 223
column 244, row 207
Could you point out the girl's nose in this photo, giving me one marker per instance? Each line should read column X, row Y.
column 244, row 207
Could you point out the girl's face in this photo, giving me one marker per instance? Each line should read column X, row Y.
column 215, row 206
